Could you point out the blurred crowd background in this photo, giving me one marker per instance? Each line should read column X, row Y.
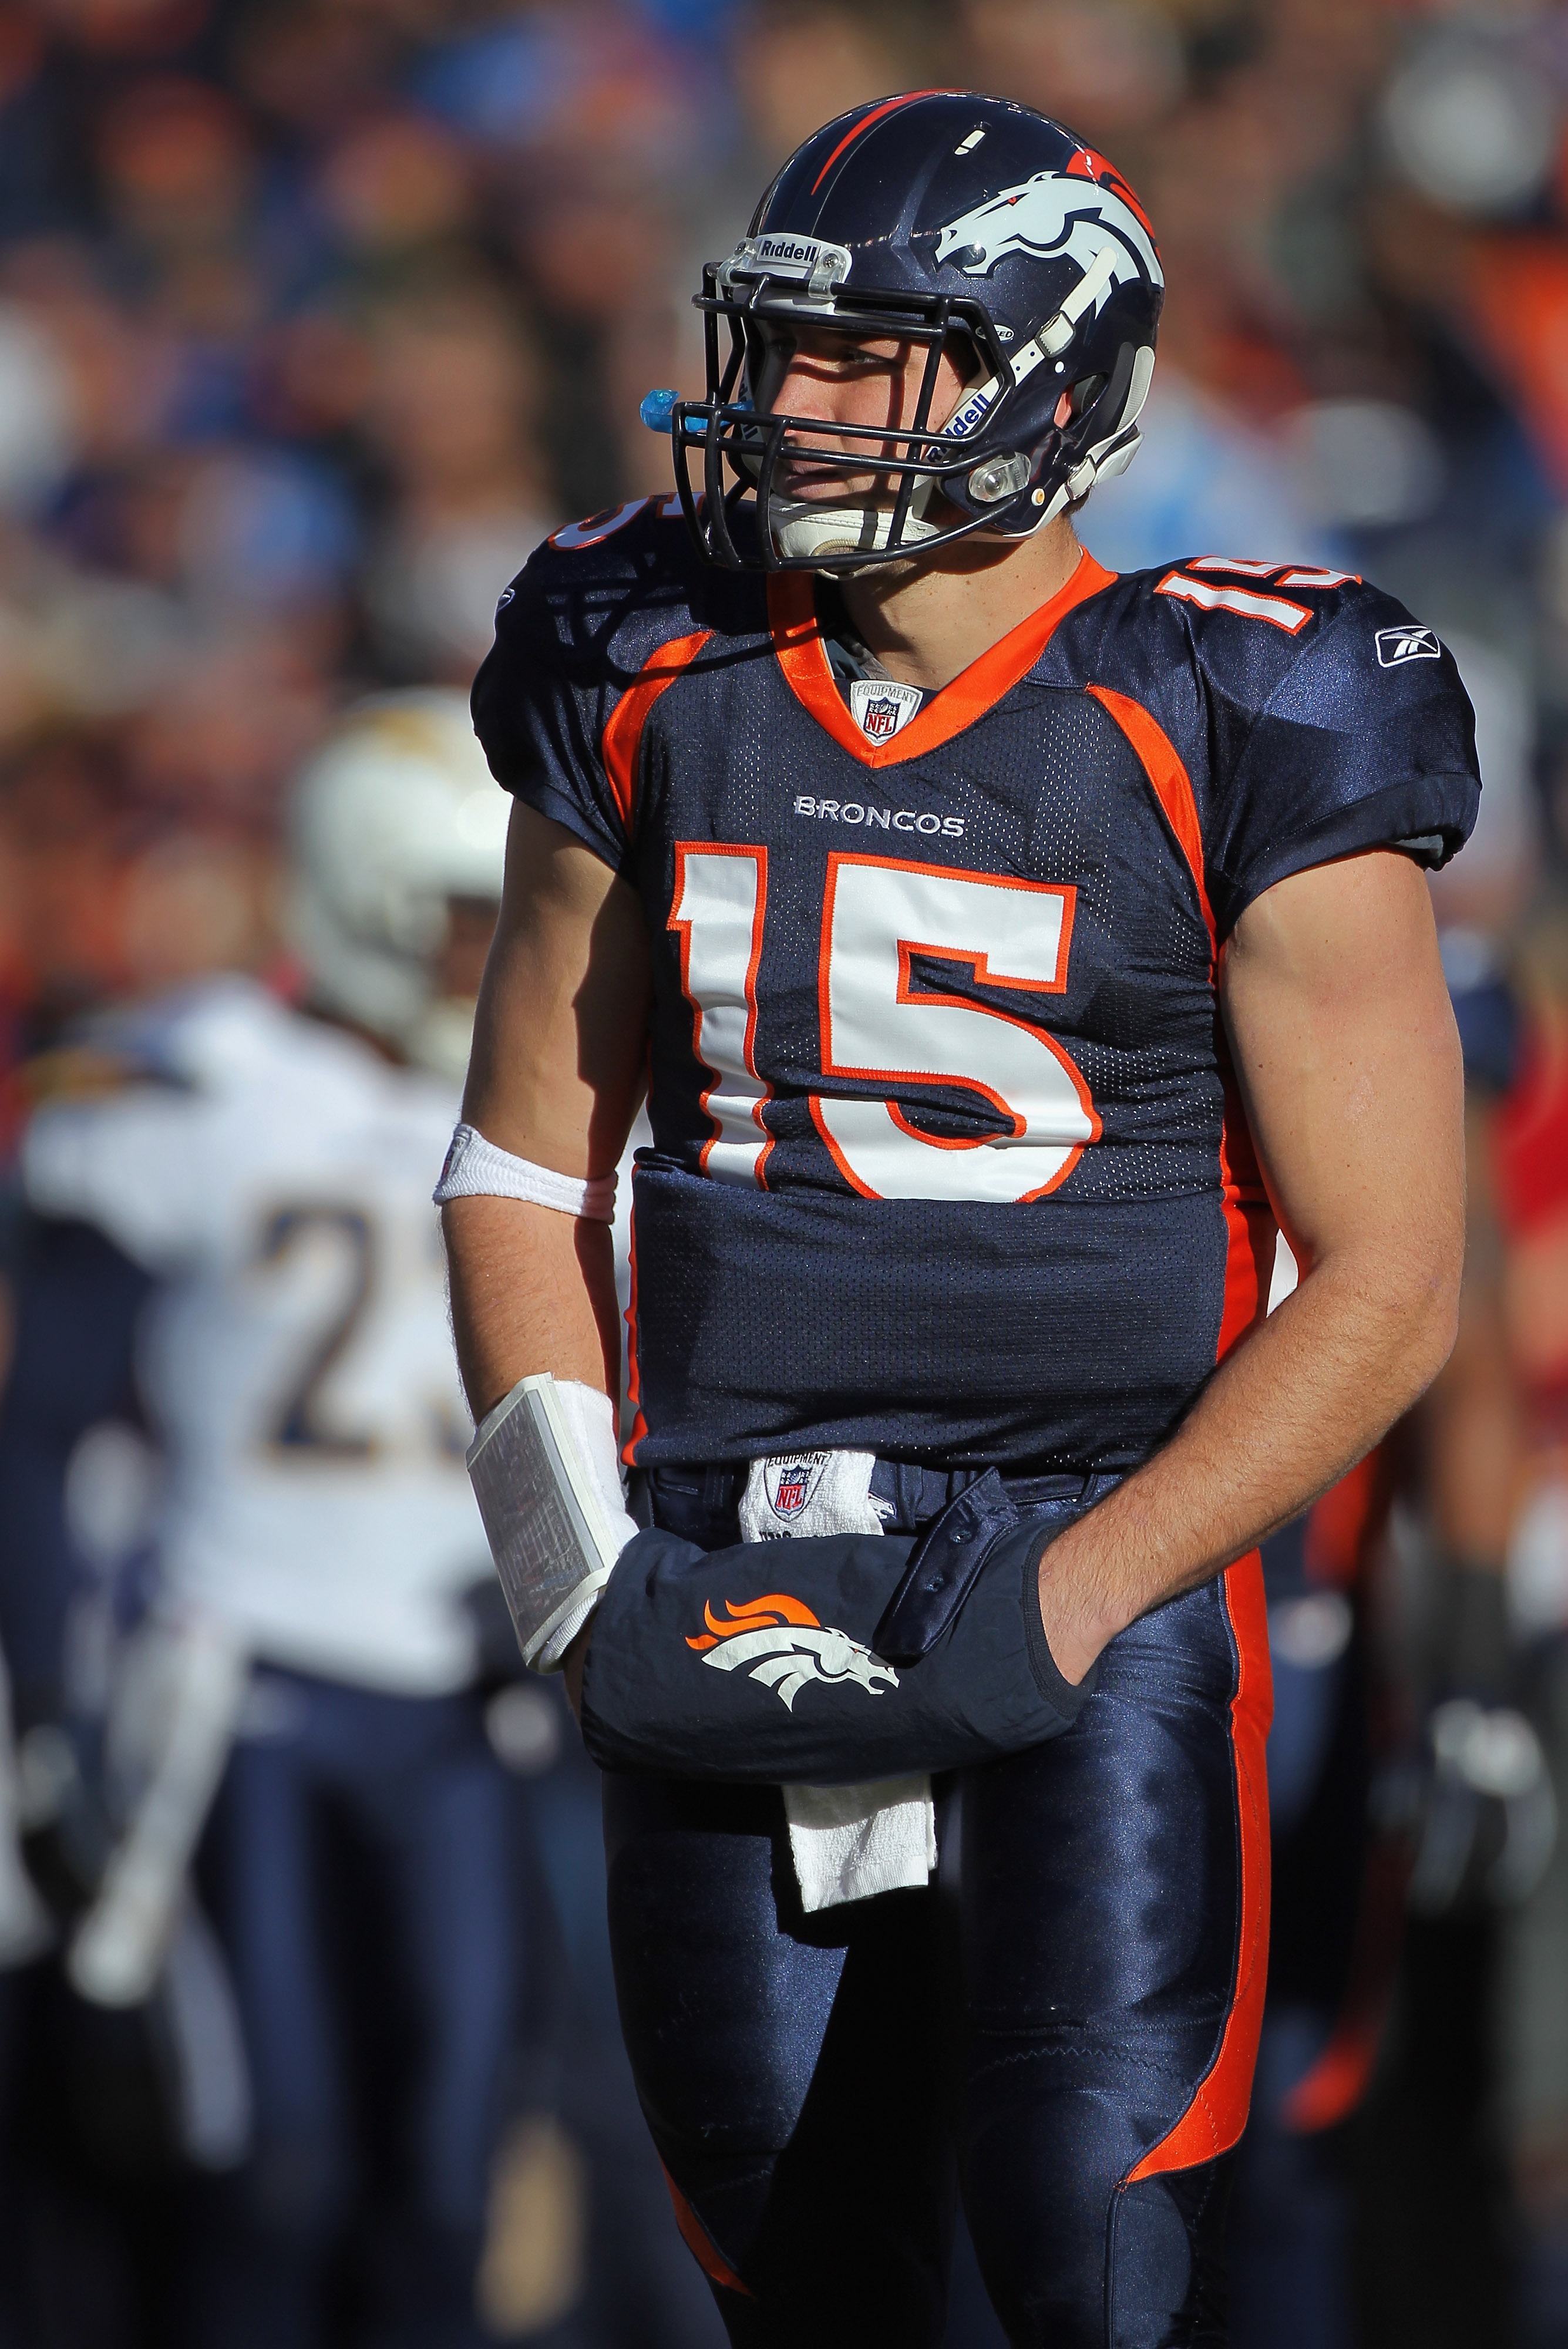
column 315, row 317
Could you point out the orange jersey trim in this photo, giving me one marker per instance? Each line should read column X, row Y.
column 803, row 657
column 633, row 1370
column 700, row 2244
column 1217, row 2115
column 1250, row 1221
column 623, row 734
column 1215, row 2118
column 1251, row 1233
column 1170, row 783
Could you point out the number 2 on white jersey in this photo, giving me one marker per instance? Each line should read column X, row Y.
column 882, row 1029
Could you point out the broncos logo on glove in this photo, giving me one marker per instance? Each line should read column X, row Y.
column 785, row 1646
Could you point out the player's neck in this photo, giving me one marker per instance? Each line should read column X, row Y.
column 927, row 623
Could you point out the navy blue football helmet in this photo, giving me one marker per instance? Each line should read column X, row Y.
column 946, row 220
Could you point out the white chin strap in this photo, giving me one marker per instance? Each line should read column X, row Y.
column 805, row 530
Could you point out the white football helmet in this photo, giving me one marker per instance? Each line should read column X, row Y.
column 394, row 817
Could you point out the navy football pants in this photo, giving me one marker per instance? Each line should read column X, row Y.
column 365, row 1867
column 1064, row 2023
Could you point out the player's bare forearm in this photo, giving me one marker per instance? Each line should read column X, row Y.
column 1299, row 1403
column 531, row 1290
column 555, row 1078
column 1347, row 1058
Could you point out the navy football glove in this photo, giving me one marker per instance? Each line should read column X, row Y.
column 829, row 1662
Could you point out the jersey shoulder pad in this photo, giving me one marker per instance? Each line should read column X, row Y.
column 1313, row 717
column 599, row 596
column 1244, row 623
column 1255, row 630
column 573, row 633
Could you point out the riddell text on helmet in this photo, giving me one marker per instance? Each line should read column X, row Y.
column 882, row 819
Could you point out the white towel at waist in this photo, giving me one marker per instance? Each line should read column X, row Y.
column 847, row 1842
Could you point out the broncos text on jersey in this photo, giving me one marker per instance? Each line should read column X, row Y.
column 946, row 1163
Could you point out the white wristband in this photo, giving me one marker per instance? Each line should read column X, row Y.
column 475, row 1169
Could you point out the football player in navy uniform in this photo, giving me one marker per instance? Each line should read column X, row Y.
column 1005, row 946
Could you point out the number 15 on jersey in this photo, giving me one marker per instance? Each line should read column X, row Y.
column 886, row 1029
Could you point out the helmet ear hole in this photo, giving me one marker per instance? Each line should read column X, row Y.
column 1086, row 391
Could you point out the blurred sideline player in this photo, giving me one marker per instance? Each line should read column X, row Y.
column 1399, row 1769
column 247, row 1210
column 1336, row 1905
column 937, row 894
column 1529, row 1170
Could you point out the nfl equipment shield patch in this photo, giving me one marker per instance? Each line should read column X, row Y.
column 808, row 1492
column 880, row 706
column 790, row 1482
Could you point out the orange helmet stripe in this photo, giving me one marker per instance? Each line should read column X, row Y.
column 875, row 113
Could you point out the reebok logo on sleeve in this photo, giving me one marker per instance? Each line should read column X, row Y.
column 1398, row 645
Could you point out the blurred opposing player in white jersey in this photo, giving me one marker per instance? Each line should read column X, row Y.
column 310, row 1650
column 274, row 1170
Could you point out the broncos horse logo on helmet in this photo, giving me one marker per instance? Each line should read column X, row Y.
column 784, row 1645
column 1044, row 216
column 949, row 222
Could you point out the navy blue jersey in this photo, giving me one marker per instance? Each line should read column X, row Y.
column 946, row 1163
